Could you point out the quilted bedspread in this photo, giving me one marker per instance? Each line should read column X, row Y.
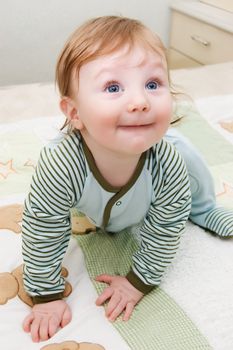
column 193, row 308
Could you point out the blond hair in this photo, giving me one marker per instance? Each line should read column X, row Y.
column 97, row 37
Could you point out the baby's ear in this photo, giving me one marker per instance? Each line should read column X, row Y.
column 69, row 108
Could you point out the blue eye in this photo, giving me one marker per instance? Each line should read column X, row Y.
column 113, row 88
column 152, row 85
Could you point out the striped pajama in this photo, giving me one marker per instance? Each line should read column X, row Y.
column 159, row 197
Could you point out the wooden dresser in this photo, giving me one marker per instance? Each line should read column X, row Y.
column 199, row 34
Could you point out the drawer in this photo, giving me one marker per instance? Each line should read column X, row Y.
column 177, row 60
column 222, row 4
column 200, row 41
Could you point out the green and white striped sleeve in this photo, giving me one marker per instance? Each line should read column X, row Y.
column 165, row 220
column 46, row 227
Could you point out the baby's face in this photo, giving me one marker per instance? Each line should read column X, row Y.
column 123, row 101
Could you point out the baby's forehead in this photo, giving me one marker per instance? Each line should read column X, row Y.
column 125, row 58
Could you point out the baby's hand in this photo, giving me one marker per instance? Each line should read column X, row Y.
column 122, row 294
column 45, row 319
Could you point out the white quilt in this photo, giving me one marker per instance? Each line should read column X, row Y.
column 200, row 279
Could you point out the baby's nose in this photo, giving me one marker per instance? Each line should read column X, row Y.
column 140, row 104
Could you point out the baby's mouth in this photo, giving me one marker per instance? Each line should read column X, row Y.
column 136, row 126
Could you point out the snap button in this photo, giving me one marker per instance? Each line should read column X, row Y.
column 118, row 203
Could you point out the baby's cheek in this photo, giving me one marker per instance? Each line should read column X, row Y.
column 167, row 112
column 169, row 105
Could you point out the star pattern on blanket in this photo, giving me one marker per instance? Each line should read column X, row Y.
column 6, row 168
column 30, row 163
column 227, row 190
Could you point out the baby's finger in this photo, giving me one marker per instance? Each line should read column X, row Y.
column 128, row 311
column 35, row 326
column 53, row 326
column 66, row 318
column 44, row 329
column 27, row 322
column 112, row 304
column 117, row 311
column 105, row 295
column 104, row 278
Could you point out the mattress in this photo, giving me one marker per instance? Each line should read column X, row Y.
column 193, row 307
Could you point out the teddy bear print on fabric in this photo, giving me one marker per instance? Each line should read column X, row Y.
column 11, row 285
column 8, row 287
column 18, row 274
column 72, row 345
column 10, row 216
column 227, row 126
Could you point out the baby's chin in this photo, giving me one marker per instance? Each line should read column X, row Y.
column 138, row 149
column 140, row 139
column 142, row 145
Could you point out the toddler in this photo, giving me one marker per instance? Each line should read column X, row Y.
column 119, row 165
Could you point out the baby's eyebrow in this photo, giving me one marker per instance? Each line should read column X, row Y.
column 158, row 66
column 102, row 71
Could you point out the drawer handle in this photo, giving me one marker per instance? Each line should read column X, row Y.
column 200, row 40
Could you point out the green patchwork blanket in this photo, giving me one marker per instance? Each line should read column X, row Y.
column 157, row 321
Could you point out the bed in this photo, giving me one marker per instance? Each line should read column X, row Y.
column 193, row 309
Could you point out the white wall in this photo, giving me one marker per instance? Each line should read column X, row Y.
column 33, row 32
